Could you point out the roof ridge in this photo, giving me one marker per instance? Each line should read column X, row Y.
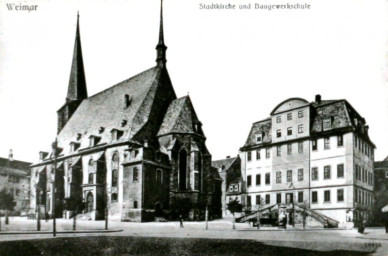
column 148, row 92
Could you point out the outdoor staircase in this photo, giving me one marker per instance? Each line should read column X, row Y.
column 321, row 218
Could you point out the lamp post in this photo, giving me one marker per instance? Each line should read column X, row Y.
column 10, row 159
column 54, row 147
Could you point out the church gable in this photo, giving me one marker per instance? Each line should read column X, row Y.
column 181, row 118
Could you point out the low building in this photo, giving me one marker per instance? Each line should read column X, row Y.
column 229, row 170
column 15, row 179
column 380, row 189
column 317, row 154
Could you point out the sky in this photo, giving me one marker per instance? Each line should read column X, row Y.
column 236, row 65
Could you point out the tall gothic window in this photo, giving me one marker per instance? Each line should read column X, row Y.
column 115, row 172
column 182, row 169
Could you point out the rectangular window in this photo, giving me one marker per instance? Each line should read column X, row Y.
column 267, row 154
column 135, row 174
column 314, row 174
column 300, row 147
column 278, row 119
column 315, row 144
column 289, row 176
column 327, row 143
column 279, row 177
column 267, row 179
column 258, row 179
column 248, row 200
column 289, row 131
column 326, row 172
column 249, row 156
column 314, row 197
column 258, row 200
column 258, row 138
column 257, row 154
column 355, row 141
column 267, row 198
column 278, row 198
column 340, row 195
column 236, row 188
column 278, row 133
column 278, row 150
column 340, row 140
column 300, row 128
column 340, row 170
column 300, row 197
column 300, row 174
column 289, row 149
column 249, row 180
column 289, row 116
column 231, row 187
column 300, row 113
column 326, row 196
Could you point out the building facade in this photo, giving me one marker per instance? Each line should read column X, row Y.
column 316, row 153
column 15, row 179
column 229, row 170
column 381, row 190
column 134, row 150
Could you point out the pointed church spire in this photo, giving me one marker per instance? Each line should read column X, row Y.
column 161, row 47
column 77, row 83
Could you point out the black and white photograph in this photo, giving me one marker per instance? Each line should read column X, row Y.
column 198, row 127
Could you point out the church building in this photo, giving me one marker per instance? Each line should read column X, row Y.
column 134, row 150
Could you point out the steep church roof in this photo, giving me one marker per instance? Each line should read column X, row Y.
column 126, row 106
column 181, row 118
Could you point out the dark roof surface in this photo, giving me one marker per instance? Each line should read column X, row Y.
column 15, row 164
column 107, row 109
column 340, row 112
column 180, row 118
column 226, row 163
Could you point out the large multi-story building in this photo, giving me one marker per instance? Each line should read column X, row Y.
column 15, row 179
column 316, row 153
column 134, row 149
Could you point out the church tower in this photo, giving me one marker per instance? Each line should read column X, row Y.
column 76, row 91
column 161, row 48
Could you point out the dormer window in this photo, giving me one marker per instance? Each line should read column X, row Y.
column 259, row 138
column 93, row 140
column 116, row 134
column 127, row 100
column 123, row 122
column 326, row 125
column 101, row 130
column 74, row 146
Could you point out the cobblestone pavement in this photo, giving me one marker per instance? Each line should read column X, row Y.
column 373, row 240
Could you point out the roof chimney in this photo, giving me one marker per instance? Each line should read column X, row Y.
column 10, row 155
column 318, row 98
column 366, row 129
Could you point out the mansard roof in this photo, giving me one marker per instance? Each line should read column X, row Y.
column 181, row 118
column 262, row 128
column 126, row 106
column 341, row 114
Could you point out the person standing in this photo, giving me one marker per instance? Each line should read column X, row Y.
column 181, row 220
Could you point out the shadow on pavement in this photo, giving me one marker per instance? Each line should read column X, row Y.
column 118, row 245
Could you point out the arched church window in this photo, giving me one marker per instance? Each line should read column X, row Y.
column 115, row 178
column 182, row 169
